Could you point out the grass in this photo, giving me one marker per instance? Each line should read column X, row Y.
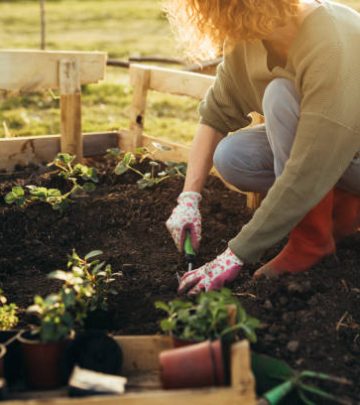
column 120, row 27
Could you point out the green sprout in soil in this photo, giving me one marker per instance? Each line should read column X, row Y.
column 8, row 313
column 81, row 177
column 209, row 317
column 87, row 282
column 155, row 175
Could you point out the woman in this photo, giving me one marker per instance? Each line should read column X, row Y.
column 298, row 63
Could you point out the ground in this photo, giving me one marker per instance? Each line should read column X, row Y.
column 311, row 320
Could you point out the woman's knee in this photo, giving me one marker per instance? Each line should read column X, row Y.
column 281, row 97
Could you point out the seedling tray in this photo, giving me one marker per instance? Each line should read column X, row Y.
column 144, row 387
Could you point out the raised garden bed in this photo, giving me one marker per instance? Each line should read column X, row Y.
column 311, row 319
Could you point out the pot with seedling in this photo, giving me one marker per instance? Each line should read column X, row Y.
column 87, row 286
column 44, row 347
column 207, row 327
column 8, row 321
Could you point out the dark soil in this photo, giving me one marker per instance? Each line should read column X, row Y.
column 300, row 314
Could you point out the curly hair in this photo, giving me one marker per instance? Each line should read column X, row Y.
column 204, row 25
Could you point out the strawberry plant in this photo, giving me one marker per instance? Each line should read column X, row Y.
column 81, row 177
column 127, row 161
column 207, row 317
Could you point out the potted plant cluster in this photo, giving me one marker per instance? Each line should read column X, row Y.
column 8, row 321
column 85, row 288
column 203, row 331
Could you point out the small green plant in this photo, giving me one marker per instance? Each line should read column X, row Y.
column 127, row 161
column 86, row 283
column 64, row 162
column 55, row 318
column 81, row 177
column 8, row 313
column 207, row 317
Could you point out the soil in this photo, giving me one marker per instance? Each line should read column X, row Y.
column 311, row 320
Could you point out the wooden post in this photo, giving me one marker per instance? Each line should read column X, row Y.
column 70, row 92
column 140, row 79
column 242, row 378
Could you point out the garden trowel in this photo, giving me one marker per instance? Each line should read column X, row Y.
column 189, row 252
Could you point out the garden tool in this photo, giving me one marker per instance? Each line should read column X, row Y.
column 189, row 254
column 275, row 380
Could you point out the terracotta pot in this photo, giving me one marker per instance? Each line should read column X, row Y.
column 178, row 342
column 196, row 365
column 43, row 362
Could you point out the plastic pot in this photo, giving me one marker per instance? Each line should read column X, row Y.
column 43, row 362
column 2, row 360
column 196, row 365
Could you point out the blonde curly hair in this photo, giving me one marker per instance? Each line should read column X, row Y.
column 202, row 26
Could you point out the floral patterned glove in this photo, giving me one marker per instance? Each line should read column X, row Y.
column 186, row 215
column 213, row 275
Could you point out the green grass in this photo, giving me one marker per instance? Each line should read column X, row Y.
column 120, row 27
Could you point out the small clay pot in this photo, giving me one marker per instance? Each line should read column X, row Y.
column 43, row 362
column 178, row 342
column 196, row 365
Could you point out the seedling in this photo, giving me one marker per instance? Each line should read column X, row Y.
column 127, row 161
column 56, row 320
column 87, row 283
column 207, row 317
column 81, row 178
column 8, row 313
column 275, row 379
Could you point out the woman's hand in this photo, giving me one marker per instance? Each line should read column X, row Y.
column 213, row 275
column 186, row 216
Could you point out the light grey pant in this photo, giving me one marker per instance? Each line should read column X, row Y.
column 252, row 158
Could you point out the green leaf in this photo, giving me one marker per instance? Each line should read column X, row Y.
column 162, row 305
column 89, row 187
column 120, row 169
column 93, row 253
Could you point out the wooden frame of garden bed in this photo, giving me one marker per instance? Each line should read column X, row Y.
column 39, row 70
column 141, row 367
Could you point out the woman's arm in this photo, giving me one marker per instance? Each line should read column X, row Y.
column 201, row 157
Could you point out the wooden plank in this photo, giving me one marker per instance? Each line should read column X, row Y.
column 70, row 104
column 140, row 82
column 141, row 353
column 220, row 396
column 174, row 81
column 30, row 70
column 242, row 378
column 42, row 149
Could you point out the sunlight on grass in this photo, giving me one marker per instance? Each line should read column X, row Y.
column 122, row 28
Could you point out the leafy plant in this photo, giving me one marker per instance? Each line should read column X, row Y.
column 127, row 161
column 81, row 178
column 86, row 283
column 207, row 318
column 56, row 320
column 8, row 313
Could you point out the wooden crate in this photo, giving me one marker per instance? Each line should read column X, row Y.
column 141, row 368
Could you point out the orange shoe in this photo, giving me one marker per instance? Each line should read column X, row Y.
column 310, row 241
column 346, row 213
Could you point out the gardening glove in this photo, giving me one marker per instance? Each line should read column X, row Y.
column 213, row 275
column 186, row 216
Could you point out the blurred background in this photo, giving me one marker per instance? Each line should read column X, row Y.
column 124, row 29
